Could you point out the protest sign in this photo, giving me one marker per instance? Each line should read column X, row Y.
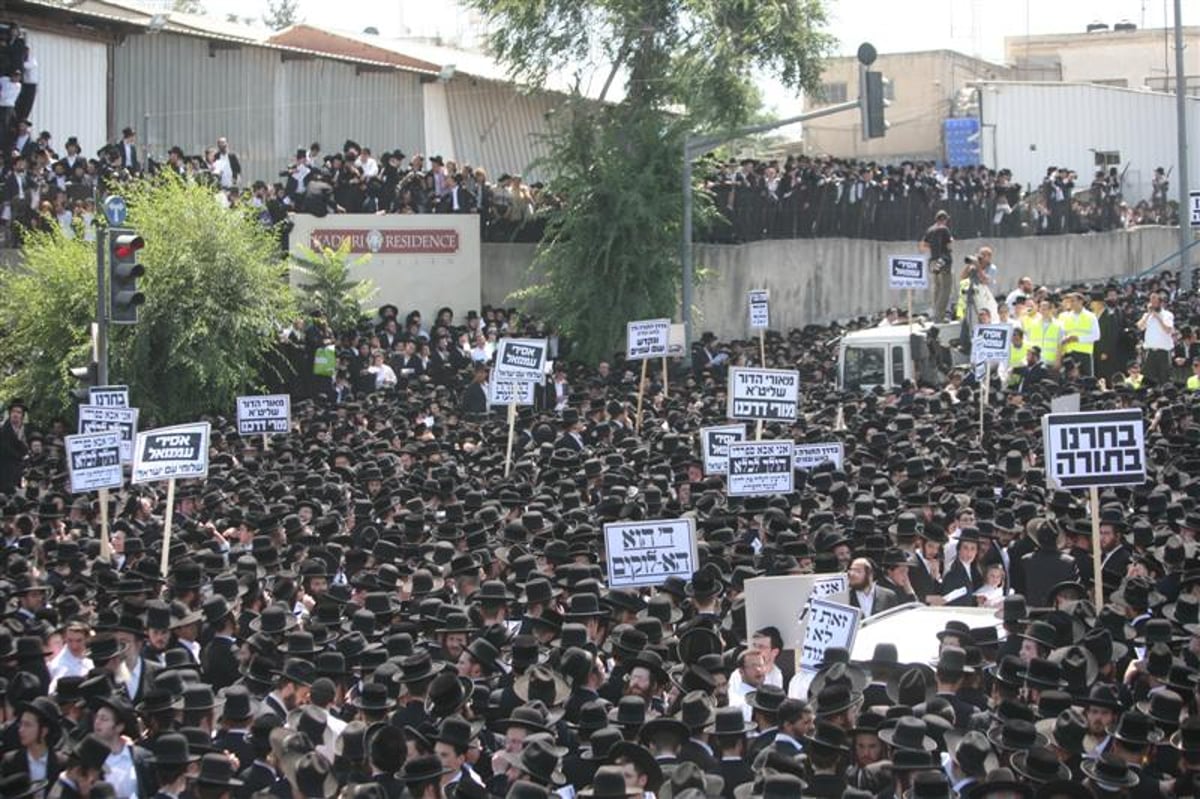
column 991, row 343
column 648, row 552
column 268, row 413
column 908, row 272
column 760, row 314
column 714, row 446
column 677, row 341
column 827, row 624
column 109, row 396
column 782, row 602
column 830, row 585
column 767, row 394
column 760, row 467
column 508, row 393
column 650, row 338
column 97, row 419
column 94, row 461
column 1094, row 449
column 1067, row 403
column 810, row 456
column 520, row 360
column 168, row 453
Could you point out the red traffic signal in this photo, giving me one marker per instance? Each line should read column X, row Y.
column 127, row 246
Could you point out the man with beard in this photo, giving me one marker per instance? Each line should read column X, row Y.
column 291, row 689
column 895, row 578
column 865, row 593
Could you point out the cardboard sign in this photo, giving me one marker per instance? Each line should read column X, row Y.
column 109, row 396
column 828, row 624
column 991, row 343
column 1096, row 448
column 1194, row 208
column 714, row 446
column 767, row 394
column 810, row 456
column 97, row 419
column 650, row 338
column 648, row 552
column 760, row 314
column 507, row 393
column 520, row 360
column 760, row 467
column 94, row 461
column 171, row 452
column 268, row 413
column 782, row 602
column 908, row 272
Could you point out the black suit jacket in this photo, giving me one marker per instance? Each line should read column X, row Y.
column 466, row 201
column 129, row 160
column 958, row 577
column 256, row 777
column 1041, row 571
column 12, row 458
column 219, row 662
column 15, row 762
column 735, row 772
column 885, row 598
column 474, row 400
column 692, row 752
column 235, row 742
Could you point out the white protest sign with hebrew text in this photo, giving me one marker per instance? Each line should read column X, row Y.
column 171, row 452
column 268, row 413
column 810, row 456
column 767, row 394
column 760, row 467
column 827, row 624
column 650, row 338
column 760, row 313
column 830, row 585
column 1095, row 448
column 109, row 396
column 908, row 272
column 508, row 393
column 714, row 446
column 648, row 552
column 94, row 461
column 991, row 343
column 98, row 419
column 520, row 360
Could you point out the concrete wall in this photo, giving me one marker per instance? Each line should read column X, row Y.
column 820, row 280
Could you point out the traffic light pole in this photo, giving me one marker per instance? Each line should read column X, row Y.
column 101, row 313
column 694, row 146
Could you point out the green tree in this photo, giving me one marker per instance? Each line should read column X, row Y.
column 612, row 248
column 216, row 293
column 187, row 6
column 281, row 13
column 326, row 284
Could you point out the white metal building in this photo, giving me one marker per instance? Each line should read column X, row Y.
column 1030, row 126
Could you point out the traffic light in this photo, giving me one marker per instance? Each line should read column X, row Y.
column 873, row 123
column 124, row 269
column 88, row 376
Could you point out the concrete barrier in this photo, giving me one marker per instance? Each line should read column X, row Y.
column 820, row 280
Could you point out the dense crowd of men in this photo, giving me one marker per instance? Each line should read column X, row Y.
column 376, row 605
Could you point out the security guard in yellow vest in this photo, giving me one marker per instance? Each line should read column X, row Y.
column 1016, row 356
column 1044, row 332
column 1135, row 377
column 1193, row 382
column 1080, row 331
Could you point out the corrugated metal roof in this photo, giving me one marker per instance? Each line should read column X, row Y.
column 499, row 126
column 335, row 42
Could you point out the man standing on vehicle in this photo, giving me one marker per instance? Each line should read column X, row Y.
column 936, row 242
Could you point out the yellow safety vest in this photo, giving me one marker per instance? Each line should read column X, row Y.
column 1016, row 355
column 1134, row 381
column 1193, row 383
column 1076, row 325
column 1045, row 335
column 960, row 308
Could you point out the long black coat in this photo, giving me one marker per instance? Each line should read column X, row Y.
column 13, row 451
column 1042, row 570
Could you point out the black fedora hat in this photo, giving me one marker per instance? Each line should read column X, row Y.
column 642, row 760
column 609, row 783
column 1137, row 728
column 217, row 769
column 274, row 620
column 1039, row 765
column 1109, row 772
column 447, row 693
column 829, row 737
column 171, row 749
column 541, row 684
column 1016, row 735
column 908, row 733
column 373, row 697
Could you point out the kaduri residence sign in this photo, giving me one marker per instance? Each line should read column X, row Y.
column 373, row 240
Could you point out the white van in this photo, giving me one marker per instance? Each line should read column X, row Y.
column 884, row 356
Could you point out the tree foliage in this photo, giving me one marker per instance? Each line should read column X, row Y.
column 281, row 13
column 612, row 253
column 326, row 284
column 216, row 293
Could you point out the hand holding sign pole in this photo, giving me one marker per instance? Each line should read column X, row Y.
column 105, row 543
column 512, row 424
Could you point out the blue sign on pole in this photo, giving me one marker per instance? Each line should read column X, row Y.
column 115, row 210
column 962, row 136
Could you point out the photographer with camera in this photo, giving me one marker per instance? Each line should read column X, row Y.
column 1158, row 327
column 936, row 242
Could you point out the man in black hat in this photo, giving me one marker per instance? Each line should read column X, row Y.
column 84, row 768
column 39, row 727
column 218, row 658
column 127, row 767
column 1044, row 568
column 14, row 448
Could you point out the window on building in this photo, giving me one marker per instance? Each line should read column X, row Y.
column 1118, row 82
column 1107, row 158
column 833, row 92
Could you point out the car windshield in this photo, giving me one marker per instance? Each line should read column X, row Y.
column 864, row 368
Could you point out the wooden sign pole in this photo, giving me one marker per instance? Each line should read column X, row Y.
column 983, row 395
column 641, row 393
column 666, row 378
column 1097, row 577
column 512, row 425
column 166, row 540
column 106, row 551
column 762, row 346
column 910, row 316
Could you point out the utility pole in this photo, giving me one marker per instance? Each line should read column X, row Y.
column 101, row 292
column 1185, row 232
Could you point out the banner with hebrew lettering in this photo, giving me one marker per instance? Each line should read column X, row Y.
column 94, row 461
column 648, row 552
column 760, row 313
column 1096, row 448
column 810, row 456
column 767, row 394
column 649, row 338
column 520, row 360
column 171, row 452
column 714, row 446
column 828, row 624
column 265, row 413
column 759, row 468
